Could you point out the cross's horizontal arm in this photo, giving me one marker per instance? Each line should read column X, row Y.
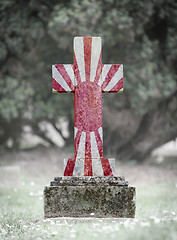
column 63, row 78
column 112, row 78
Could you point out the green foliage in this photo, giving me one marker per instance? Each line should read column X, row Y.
column 36, row 34
column 15, row 96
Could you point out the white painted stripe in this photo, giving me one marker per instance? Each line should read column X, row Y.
column 79, row 53
column 94, row 148
column 57, row 76
column 75, row 131
column 70, row 72
column 112, row 164
column 79, row 167
column 105, row 70
column 118, row 75
column 81, row 148
column 75, row 81
column 100, row 130
column 95, row 55
column 97, row 167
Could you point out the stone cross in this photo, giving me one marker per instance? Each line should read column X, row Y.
column 87, row 78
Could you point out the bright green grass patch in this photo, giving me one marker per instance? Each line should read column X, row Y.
column 21, row 217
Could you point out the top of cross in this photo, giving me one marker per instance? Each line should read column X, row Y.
column 87, row 67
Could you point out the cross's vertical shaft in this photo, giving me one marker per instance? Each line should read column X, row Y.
column 88, row 98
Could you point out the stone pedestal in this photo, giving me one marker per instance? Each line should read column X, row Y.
column 89, row 197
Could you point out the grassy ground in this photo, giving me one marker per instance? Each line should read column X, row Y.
column 21, row 205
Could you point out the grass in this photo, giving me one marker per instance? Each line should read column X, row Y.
column 21, row 216
column 21, row 202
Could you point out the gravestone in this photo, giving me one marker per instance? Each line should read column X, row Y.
column 88, row 187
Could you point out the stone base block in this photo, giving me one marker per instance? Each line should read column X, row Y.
column 89, row 197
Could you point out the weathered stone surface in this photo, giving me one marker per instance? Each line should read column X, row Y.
column 95, row 198
column 85, row 181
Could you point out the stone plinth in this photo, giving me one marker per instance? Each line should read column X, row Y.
column 89, row 197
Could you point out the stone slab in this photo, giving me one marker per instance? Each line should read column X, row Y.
column 89, row 200
column 82, row 181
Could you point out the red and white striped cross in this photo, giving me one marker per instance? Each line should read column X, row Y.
column 87, row 78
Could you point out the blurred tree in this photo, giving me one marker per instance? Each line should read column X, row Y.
column 140, row 34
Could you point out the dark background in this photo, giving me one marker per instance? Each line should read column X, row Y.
column 141, row 35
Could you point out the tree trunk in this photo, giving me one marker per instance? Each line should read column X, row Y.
column 156, row 127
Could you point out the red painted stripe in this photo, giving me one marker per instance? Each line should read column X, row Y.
column 118, row 86
column 106, row 167
column 58, row 87
column 87, row 56
column 69, row 167
column 77, row 141
column 110, row 75
column 66, row 77
column 75, row 81
column 76, row 70
column 99, row 143
column 88, row 160
column 88, row 167
column 98, row 71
